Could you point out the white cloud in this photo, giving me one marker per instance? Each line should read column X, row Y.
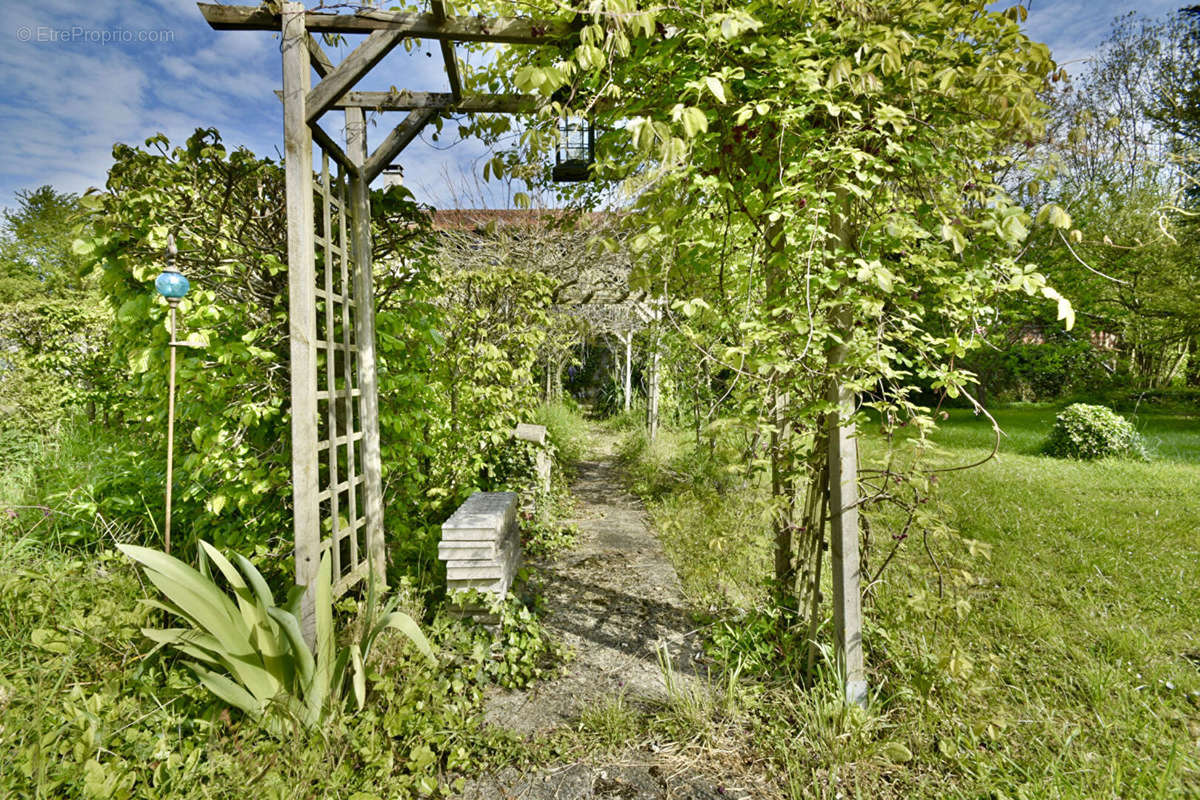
column 64, row 103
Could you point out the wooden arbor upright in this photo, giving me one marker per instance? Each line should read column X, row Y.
column 336, row 465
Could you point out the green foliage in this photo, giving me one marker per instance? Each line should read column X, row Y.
column 89, row 711
column 456, row 352
column 1121, row 161
column 494, row 322
column 543, row 533
column 53, row 323
column 516, row 653
column 567, row 431
column 267, row 667
column 817, row 199
column 222, row 207
column 1054, row 364
column 1086, row 431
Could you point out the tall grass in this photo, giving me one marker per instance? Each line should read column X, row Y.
column 567, row 430
column 49, row 492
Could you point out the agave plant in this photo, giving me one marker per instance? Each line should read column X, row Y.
column 250, row 652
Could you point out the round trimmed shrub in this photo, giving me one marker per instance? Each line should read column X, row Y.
column 1087, row 431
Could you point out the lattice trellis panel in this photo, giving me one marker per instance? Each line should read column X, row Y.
column 342, row 496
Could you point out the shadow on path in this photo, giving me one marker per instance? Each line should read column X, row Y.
column 615, row 600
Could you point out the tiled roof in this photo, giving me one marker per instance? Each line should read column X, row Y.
column 471, row 219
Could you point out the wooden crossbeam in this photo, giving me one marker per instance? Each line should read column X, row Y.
column 320, row 61
column 396, row 141
column 330, row 146
column 468, row 104
column 442, row 101
column 448, row 55
column 503, row 30
column 347, row 73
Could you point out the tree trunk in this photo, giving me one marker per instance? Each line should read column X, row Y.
column 781, row 456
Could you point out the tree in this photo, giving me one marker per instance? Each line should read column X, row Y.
column 1117, row 159
column 1176, row 105
column 53, row 322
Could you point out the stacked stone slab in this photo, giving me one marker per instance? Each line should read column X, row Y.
column 537, row 434
column 481, row 546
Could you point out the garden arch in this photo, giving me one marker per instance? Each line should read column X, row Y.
column 334, row 394
column 336, row 467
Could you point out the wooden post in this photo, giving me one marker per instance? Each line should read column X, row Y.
column 628, row 369
column 652, row 381
column 302, row 308
column 364, row 292
column 843, row 502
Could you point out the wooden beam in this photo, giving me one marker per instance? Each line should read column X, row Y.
column 469, row 104
column 843, row 506
column 320, row 61
column 335, row 152
column 302, row 310
column 348, row 73
column 448, row 55
column 442, row 101
column 503, row 30
column 396, row 141
column 627, row 340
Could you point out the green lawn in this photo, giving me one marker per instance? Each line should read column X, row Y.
column 1064, row 664
column 1089, row 607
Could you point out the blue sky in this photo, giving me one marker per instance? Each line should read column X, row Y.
column 77, row 76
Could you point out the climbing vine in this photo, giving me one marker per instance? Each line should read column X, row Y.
column 813, row 188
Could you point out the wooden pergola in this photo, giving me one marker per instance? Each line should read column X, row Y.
column 336, row 486
column 336, row 466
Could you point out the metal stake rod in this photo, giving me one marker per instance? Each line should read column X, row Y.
column 174, row 303
column 173, row 286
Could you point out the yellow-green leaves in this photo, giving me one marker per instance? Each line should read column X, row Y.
column 716, row 87
column 954, row 235
column 874, row 271
column 887, row 114
column 1055, row 215
column 693, row 119
column 643, row 133
column 733, row 24
column 1065, row 311
column 544, row 80
column 839, row 72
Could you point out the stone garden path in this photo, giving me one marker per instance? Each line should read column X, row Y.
column 615, row 600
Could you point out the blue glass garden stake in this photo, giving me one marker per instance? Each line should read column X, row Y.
column 173, row 286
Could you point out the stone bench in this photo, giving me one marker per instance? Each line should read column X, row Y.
column 481, row 546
